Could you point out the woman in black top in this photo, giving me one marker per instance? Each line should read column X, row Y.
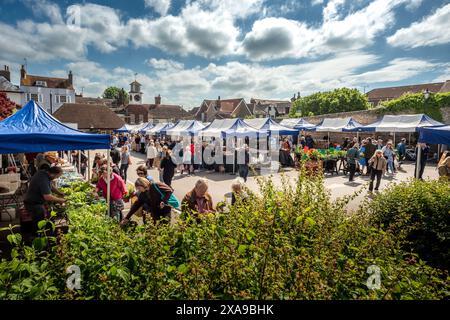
column 168, row 167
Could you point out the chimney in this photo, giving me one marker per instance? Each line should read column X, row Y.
column 158, row 99
column 23, row 73
column 218, row 103
column 6, row 73
column 70, row 77
column 298, row 96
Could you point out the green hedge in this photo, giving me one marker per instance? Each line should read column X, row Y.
column 418, row 104
column 418, row 211
column 286, row 243
column 338, row 100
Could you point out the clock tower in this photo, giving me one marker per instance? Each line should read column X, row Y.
column 135, row 93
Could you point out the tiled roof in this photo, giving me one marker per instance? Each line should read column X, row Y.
column 395, row 92
column 89, row 100
column 57, row 83
column 266, row 101
column 7, row 86
column 89, row 115
column 159, row 111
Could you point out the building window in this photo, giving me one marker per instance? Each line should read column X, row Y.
column 62, row 99
column 34, row 96
column 141, row 118
column 41, row 84
column 132, row 119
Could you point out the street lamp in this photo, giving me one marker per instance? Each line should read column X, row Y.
column 426, row 94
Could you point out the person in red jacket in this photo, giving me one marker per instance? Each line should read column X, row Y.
column 117, row 191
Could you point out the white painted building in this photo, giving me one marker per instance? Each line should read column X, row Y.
column 12, row 91
column 50, row 93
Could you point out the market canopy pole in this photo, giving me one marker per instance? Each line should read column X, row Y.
column 418, row 159
column 79, row 161
column 89, row 166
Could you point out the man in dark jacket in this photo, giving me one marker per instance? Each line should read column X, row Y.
column 368, row 154
column 115, row 156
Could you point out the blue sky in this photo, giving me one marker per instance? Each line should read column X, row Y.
column 189, row 50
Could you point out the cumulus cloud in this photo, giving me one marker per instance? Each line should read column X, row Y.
column 160, row 6
column 45, row 8
column 431, row 31
column 354, row 31
column 164, row 64
column 397, row 70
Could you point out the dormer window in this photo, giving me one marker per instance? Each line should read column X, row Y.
column 41, row 83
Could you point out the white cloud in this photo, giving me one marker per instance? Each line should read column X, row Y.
column 431, row 31
column 194, row 31
column 189, row 86
column 160, row 6
column 397, row 70
column 164, row 64
column 45, row 8
column 331, row 11
column 316, row 2
column 274, row 38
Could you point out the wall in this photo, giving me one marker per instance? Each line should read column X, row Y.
column 46, row 96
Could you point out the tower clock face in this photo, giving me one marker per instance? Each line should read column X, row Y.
column 137, row 98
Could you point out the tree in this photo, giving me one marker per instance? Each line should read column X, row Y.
column 120, row 95
column 338, row 100
column 7, row 107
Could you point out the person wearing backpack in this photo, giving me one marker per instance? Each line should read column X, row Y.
column 158, row 198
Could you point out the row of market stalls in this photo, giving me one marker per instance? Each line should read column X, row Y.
column 266, row 126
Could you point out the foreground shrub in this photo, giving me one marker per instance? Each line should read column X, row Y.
column 418, row 211
column 288, row 243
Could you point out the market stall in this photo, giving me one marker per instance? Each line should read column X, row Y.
column 298, row 123
column 32, row 129
column 159, row 128
column 185, row 128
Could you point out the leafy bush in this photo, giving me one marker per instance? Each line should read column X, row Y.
column 417, row 103
column 288, row 243
column 418, row 211
column 338, row 100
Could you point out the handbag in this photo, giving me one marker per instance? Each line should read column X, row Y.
column 173, row 201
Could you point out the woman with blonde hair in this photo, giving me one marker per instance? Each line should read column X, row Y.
column 153, row 197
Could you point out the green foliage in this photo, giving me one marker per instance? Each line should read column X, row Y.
column 418, row 104
column 120, row 95
column 288, row 243
column 419, row 211
column 338, row 100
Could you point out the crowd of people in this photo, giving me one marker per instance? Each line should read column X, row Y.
column 155, row 196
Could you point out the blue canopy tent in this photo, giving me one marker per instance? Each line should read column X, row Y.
column 159, row 128
column 405, row 123
column 143, row 129
column 240, row 129
column 123, row 129
column 186, row 128
column 32, row 129
column 270, row 126
column 435, row 135
column 298, row 123
column 338, row 125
